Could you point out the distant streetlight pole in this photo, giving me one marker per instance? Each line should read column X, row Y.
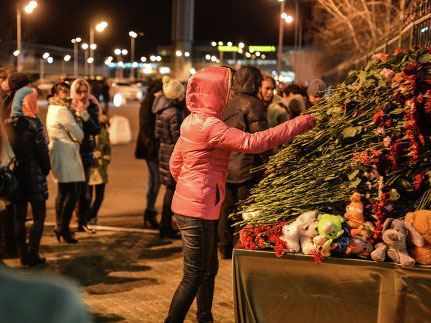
column 85, row 47
column 280, row 38
column 101, row 26
column 133, row 36
column 28, row 8
column 75, row 43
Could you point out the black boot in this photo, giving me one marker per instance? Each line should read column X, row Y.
column 150, row 217
column 34, row 259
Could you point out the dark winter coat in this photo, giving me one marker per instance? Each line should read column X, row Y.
column 146, row 144
column 91, row 128
column 31, row 150
column 167, row 132
column 247, row 113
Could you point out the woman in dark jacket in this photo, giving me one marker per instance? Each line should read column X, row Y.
column 247, row 113
column 168, row 122
column 147, row 149
column 86, row 109
column 33, row 165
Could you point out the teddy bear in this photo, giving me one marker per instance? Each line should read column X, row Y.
column 394, row 235
column 330, row 228
column 421, row 221
column 299, row 234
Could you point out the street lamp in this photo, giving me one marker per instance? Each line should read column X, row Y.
column 28, row 8
column 44, row 58
column 280, row 37
column 100, row 27
column 85, row 47
column 75, row 42
column 133, row 36
column 118, row 52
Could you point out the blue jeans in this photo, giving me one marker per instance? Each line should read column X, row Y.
column 199, row 270
column 153, row 185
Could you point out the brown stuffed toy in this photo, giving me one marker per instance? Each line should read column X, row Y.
column 394, row 236
column 421, row 221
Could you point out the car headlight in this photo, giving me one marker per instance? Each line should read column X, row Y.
column 117, row 100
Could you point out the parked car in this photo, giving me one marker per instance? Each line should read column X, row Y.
column 125, row 91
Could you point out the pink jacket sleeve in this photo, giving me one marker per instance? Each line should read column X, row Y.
column 176, row 161
column 222, row 136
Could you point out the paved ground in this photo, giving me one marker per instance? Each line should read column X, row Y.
column 126, row 276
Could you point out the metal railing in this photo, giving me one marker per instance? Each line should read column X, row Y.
column 416, row 32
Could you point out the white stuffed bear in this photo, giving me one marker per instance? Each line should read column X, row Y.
column 300, row 233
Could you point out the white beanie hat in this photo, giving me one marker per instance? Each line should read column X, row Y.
column 172, row 88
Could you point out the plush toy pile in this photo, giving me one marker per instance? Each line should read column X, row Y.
column 372, row 146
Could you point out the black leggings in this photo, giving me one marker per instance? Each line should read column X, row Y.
column 99, row 195
column 38, row 206
column 65, row 204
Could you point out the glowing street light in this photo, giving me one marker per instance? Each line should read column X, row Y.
column 178, row 53
column 84, row 46
column 67, row 58
column 99, row 27
column 207, row 57
column 135, row 64
column 187, row 54
column 158, row 58
column 153, row 58
column 16, row 53
column 28, row 8
column 213, row 44
column 143, row 59
column 90, row 60
column 124, row 52
column 50, row 60
column 287, row 18
column 220, row 43
column 229, row 43
column 117, row 51
column 133, row 34
column 241, row 45
column 45, row 55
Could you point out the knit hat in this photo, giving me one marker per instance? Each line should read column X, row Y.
column 25, row 103
column 17, row 80
column 316, row 88
column 172, row 88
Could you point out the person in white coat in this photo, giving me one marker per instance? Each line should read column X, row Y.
column 65, row 136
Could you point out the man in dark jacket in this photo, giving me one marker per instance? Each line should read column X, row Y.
column 147, row 149
column 247, row 113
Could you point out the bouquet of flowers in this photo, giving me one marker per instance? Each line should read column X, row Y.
column 372, row 137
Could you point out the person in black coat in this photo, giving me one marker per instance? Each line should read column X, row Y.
column 168, row 122
column 7, row 238
column 30, row 145
column 247, row 113
column 147, row 148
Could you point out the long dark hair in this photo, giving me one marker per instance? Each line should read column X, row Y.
column 57, row 87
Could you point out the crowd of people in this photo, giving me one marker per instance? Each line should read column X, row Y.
column 200, row 141
column 74, row 147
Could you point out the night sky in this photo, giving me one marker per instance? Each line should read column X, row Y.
column 56, row 22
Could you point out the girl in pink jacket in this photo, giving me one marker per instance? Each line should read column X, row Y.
column 199, row 164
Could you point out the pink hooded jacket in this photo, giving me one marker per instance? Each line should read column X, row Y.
column 200, row 159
